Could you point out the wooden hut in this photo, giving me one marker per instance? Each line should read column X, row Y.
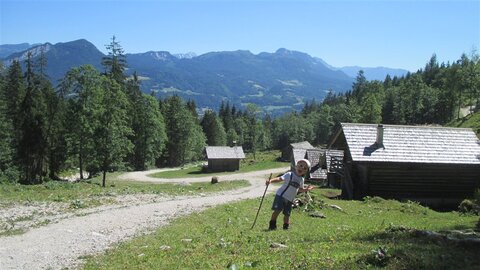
column 288, row 153
column 318, row 171
column 433, row 165
column 224, row 158
column 321, row 160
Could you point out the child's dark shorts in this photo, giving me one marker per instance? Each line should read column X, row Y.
column 279, row 203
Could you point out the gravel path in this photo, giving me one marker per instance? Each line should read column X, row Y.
column 60, row 245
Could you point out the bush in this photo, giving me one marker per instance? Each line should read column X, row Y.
column 377, row 258
column 373, row 199
column 10, row 175
column 469, row 207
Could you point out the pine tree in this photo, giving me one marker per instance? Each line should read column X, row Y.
column 148, row 137
column 321, row 121
column 32, row 142
column 185, row 137
column 359, row 87
column 8, row 172
column 371, row 110
column 115, row 62
column 431, row 70
column 53, row 129
column 84, row 86
column 111, row 135
column 42, row 63
column 13, row 94
column 213, row 128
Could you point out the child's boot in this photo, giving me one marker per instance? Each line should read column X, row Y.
column 273, row 225
column 285, row 226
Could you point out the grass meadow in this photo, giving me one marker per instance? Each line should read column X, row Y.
column 374, row 233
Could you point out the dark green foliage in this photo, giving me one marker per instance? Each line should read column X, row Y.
column 431, row 96
column 148, row 137
column 111, row 143
column 292, row 128
column 83, row 85
column 8, row 172
column 213, row 129
column 14, row 92
column 322, row 123
column 185, row 137
column 32, row 143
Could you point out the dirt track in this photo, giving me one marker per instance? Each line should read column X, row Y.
column 60, row 245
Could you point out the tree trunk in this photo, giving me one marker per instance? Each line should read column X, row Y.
column 103, row 178
column 459, row 104
column 80, row 161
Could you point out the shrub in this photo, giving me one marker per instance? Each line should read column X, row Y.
column 373, row 199
column 377, row 258
column 469, row 207
column 10, row 175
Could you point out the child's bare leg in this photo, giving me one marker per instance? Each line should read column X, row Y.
column 275, row 214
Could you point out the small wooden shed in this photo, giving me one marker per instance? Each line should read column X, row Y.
column 321, row 163
column 433, row 165
column 224, row 158
column 294, row 150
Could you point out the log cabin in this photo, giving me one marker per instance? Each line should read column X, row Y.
column 224, row 158
column 432, row 165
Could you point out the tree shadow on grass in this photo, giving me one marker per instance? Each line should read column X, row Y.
column 407, row 249
column 199, row 172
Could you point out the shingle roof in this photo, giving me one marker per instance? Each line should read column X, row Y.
column 224, row 152
column 302, row 145
column 412, row 144
column 298, row 154
column 316, row 171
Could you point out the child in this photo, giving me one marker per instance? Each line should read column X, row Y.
column 286, row 193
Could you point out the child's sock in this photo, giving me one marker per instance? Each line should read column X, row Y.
column 273, row 225
column 285, row 226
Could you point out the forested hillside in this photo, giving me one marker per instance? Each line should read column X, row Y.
column 102, row 122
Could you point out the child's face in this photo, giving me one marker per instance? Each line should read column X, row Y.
column 302, row 168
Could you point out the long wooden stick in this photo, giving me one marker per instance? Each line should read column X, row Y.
column 261, row 202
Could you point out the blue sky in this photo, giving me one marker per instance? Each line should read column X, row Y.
column 397, row 34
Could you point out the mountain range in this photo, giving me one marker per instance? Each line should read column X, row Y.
column 276, row 81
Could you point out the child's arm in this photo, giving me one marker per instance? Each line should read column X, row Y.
column 308, row 188
column 273, row 180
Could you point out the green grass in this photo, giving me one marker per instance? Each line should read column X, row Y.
column 90, row 193
column 263, row 161
column 221, row 239
column 470, row 121
column 12, row 232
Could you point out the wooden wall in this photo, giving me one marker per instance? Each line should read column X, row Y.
column 221, row 165
column 416, row 181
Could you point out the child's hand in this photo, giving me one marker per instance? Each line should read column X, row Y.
column 310, row 187
column 267, row 182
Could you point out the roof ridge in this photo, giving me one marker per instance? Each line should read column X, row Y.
column 406, row 126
